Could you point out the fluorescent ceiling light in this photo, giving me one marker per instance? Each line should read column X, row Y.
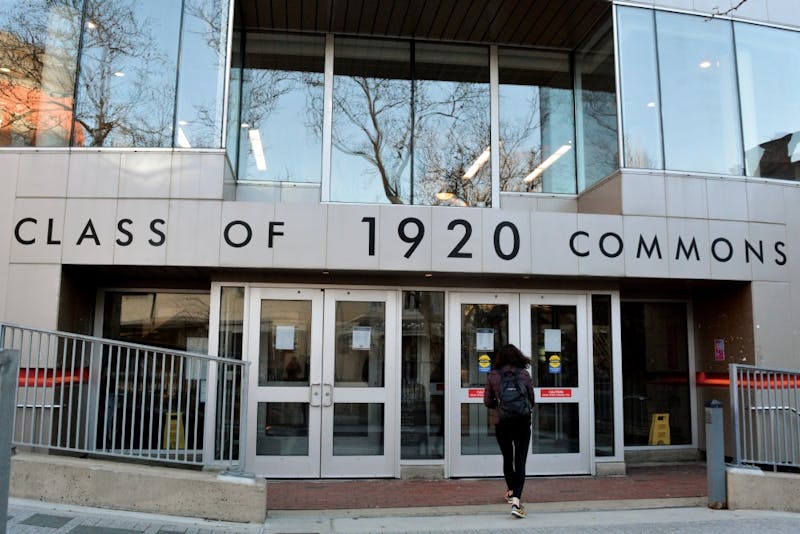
column 182, row 140
column 547, row 163
column 477, row 164
column 257, row 148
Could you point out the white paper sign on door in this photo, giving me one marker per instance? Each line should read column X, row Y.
column 484, row 339
column 552, row 340
column 284, row 337
column 361, row 337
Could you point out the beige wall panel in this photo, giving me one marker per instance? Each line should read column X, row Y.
column 42, row 174
column 10, row 165
column 197, row 175
column 145, row 174
column 94, row 174
column 193, row 232
column 32, row 295
column 643, row 194
column 772, row 321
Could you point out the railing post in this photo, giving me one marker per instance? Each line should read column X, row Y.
column 715, row 455
column 733, row 374
column 9, row 372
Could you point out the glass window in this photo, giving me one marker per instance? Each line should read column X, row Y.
column 769, row 74
column 232, row 138
column 281, row 108
column 602, row 357
column 698, row 94
column 371, row 132
column 201, row 78
column 451, row 125
column 536, row 122
column 38, row 56
column 638, row 72
column 126, row 81
column 422, row 397
column 655, row 373
column 596, row 108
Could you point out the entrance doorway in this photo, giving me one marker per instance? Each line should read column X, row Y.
column 552, row 329
column 322, row 394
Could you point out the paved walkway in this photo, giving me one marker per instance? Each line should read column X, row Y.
column 663, row 499
column 38, row 517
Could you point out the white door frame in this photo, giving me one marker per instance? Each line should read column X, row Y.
column 564, row 463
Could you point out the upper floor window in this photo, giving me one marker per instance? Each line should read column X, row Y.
column 123, row 59
column 769, row 76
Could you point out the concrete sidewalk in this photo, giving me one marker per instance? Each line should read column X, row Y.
column 601, row 517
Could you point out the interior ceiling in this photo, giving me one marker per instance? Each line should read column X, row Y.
column 541, row 23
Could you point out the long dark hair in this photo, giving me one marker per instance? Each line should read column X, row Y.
column 510, row 355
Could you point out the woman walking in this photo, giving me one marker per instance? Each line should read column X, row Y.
column 509, row 391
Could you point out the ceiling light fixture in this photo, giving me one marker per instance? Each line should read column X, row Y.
column 477, row 164
column 705, row 64
column 257, row 148
column 547, row 163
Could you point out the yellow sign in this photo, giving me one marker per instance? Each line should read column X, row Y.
column 555, row 361
column 484, row 361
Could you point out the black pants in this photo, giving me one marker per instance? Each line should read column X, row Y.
column 514, row 436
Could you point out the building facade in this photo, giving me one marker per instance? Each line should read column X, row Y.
column 366, row 199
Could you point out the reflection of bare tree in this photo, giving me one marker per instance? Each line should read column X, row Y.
column 38, row 47
column 371, row 120
column 124, row 94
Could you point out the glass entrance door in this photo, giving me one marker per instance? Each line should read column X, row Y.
column 321, row 386
column 480, row 324
column 552, row 329
column 554, row 334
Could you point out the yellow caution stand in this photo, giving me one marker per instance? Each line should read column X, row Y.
column 173, row 431
column 659, row 429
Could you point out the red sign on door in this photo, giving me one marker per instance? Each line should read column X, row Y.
column 555, row 393
column 475, row 393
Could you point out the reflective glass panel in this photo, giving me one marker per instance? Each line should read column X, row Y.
column 281, row 108
column 484, row 329
column 603, row 376
column 358, row 429
column 477, row 430
column 596, row 107
column 232, row 137
column 126, row 81
column 201, row 78
column 769, row 76
column 451, row 125
column 285, row 345
column 655, row 371
column 282, row 429
column 638, row 72
column 38, row 58
column 556, row 428
column 360, row 344
column 422, row 395
column 554, row 339
column 371, row 135
column 231, row 315
column 699, row 106
column 536, row 122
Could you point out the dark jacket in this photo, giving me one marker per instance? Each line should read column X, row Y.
column 492, row 388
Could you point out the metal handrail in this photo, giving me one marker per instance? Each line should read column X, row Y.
column 765, row 405
column 89, row 395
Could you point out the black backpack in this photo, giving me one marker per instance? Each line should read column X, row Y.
column 512, row 399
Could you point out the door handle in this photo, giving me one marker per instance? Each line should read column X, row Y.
column 327, row 395
column 314, row 393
